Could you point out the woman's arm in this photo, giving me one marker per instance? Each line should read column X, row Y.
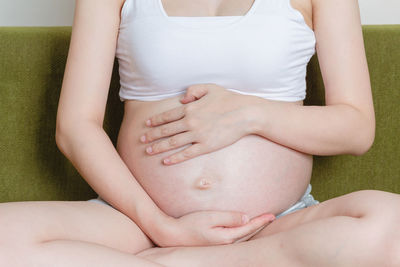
column 92, row 153
column 79, row 131
column 316, row 130
column 346, row 125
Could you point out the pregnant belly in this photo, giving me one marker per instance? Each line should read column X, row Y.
column 253, row 175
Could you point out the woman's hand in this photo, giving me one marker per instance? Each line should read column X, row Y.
column 210, row 119
column 206, row 228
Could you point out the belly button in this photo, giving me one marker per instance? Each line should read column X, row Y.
column 203, row 184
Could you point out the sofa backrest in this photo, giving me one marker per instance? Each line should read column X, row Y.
column 32, row 63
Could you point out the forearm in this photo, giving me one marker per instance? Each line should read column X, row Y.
column 315, row 130
column 92, row 153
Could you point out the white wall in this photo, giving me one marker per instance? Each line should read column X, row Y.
column 380, row 11
column 36, row 12
column 61, row 12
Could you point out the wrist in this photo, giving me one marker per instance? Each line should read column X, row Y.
column 149, row 218
column 161, row 229
column 252, row 115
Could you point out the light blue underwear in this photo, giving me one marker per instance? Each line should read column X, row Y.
column 305, row 201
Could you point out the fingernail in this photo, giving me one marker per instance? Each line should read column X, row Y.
column 149, row 149
column 245, row 219
column 148, row 122
column 143, row 138
column 166, row 161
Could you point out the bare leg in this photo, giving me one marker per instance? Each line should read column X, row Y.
column 358, row 229
column 60, row 253
column 68, row 233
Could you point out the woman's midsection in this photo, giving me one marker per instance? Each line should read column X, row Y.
column 253, row 175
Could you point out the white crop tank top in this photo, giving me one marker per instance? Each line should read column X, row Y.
column 262, row 53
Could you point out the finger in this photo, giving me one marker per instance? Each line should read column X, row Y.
column 195, row 92
column 166, row 116
column 169, row 129
column 170, row 143
column 249, row 228
column 188, row 153
column 228, row 218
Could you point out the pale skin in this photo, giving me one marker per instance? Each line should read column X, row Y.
column 358, row 229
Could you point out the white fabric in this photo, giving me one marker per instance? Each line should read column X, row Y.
column 306, row 200
column 263, row 53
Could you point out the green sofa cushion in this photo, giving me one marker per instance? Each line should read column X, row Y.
column 32, row 62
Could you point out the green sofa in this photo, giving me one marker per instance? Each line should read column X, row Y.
column 32, row 62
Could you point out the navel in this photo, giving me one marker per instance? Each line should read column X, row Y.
column 203, row 183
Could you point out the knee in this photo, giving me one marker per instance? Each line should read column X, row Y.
column 377, row 195
column 378, row 203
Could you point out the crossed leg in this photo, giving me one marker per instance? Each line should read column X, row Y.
column 358, row 229
column 69, row 233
